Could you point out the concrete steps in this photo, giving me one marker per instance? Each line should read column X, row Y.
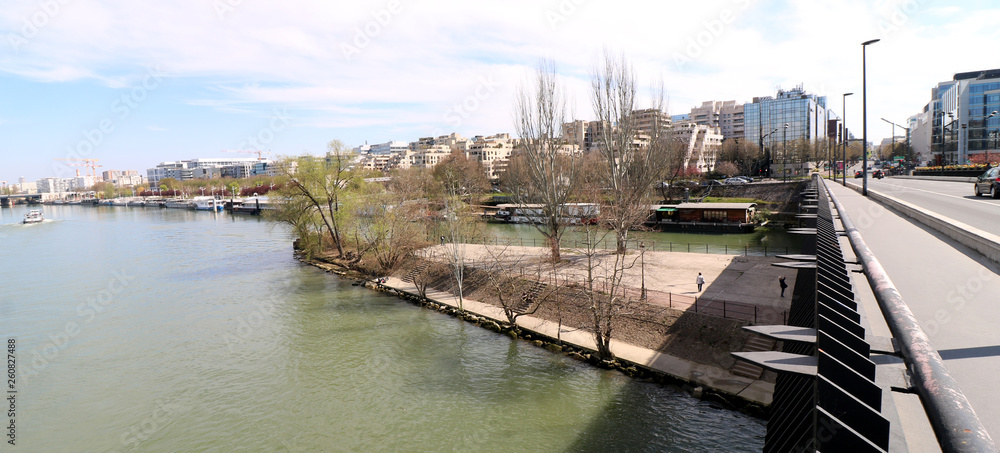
column 413, row 273
column 525, row 303
column 756, row 343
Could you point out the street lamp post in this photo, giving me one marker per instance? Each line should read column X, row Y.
column 762, row 149
column 784, row 153
column 986, row 141
column 843, row 137
column 642, row 255
column 864, row 117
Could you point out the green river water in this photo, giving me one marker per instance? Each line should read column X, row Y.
column 140, row 329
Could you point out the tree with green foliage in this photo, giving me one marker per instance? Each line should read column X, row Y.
column 324, row 184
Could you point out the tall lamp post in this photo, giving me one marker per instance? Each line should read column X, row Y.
column 843, row 137
column 784, row 153
column 762, row 147
column 986, row 138
column 894, row 126
column 642, row 254
column 892, row 140
column 864, row 117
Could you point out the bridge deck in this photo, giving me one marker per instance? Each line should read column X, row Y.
column 951, row 290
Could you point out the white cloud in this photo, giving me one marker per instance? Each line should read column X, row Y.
column 412, row 67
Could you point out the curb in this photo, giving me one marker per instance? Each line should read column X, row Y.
column 981, row 241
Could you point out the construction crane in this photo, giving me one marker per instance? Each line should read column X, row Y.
column 258, row 153
column 91, row 163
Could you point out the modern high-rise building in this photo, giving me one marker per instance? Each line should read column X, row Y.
column 961, row 125
column 806, row 115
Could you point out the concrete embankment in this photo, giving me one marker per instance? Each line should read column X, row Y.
column 706, row 381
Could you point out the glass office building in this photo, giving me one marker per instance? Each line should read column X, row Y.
column 961, row 122
column 765, row 117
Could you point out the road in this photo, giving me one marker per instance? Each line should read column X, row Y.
column 951, row 289
column 950, row 199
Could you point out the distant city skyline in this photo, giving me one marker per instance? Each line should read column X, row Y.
column 135, row 86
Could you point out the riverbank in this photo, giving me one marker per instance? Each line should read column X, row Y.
column 662, row 340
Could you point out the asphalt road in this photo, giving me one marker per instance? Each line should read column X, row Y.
column 950, row 199
column 951, row 289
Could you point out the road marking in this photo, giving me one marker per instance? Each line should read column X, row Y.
column 943, row 194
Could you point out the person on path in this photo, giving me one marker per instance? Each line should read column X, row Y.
column 700, row 281
column 782, row 284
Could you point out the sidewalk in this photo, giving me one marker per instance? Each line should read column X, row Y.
column 698, row 374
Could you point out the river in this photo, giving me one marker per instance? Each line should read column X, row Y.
column 141, row 329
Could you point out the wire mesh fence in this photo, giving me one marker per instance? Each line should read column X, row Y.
column 635, row 244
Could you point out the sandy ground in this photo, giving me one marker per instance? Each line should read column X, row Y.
column 744, row 279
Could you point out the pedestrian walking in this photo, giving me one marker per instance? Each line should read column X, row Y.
column 782, row 284
column 700, row 281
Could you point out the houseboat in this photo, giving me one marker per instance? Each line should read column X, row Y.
column 704, row 217
column 207, row 203
column 575, row 213
column 179, row 203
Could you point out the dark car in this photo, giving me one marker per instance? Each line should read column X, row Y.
column 857, row 174
column 987, row 183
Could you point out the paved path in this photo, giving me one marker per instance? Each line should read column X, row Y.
column 705, row 375
column 951, row 289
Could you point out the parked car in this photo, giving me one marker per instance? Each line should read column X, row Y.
column 857, row 174
column 745, row 178
column 987, row 183
column 734, row 181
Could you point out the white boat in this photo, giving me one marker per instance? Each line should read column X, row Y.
column 33, row 216
column 120, row 202
column 206, row 203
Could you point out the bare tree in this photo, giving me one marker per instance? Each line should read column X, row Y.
column 604, row 288
column 516, row 295
column 542, row 173
column 633, row 163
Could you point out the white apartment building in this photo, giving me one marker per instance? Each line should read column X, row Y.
column 701, row 142
column 53, row 185
column 492, row 152
column 727, row 116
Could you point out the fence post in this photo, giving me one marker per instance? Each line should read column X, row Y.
column 723, row 309
column 671, row 246
column 689, row 247
column 755, row 314
column 706, row 248
column 696, row 304
column 727, row 249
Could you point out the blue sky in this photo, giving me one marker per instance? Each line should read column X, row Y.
column 137, row 83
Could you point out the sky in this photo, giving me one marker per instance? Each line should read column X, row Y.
column 133, row 84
